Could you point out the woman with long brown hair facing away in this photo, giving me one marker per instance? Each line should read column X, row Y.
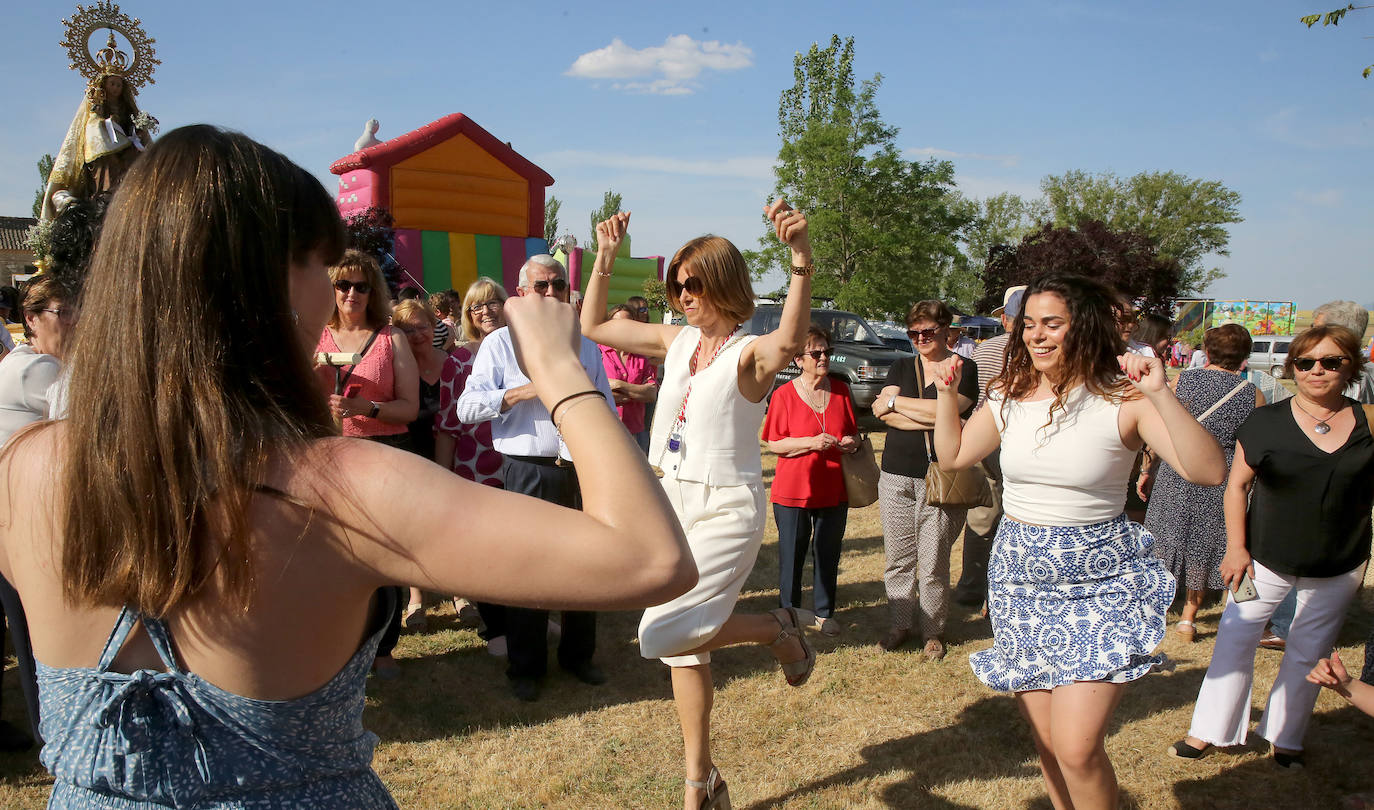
column 198, row 502
column 705, row 441
column 1077, row 602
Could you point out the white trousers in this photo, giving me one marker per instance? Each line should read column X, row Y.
column 1222, row 714
column 724, row 528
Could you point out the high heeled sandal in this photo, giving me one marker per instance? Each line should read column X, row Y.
column 717, row 797
column 790, row 623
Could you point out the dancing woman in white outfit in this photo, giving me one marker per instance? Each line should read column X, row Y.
column 705, row 441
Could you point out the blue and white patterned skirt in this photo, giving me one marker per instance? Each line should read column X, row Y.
column 1073, row 603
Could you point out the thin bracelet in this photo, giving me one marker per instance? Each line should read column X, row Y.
column 558, row 426
column 559, row 403
column 599, row 273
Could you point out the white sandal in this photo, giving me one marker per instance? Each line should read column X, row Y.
column 1186, row 629
column 717, row 798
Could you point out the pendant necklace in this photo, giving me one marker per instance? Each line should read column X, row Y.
column 818, row 413
column 1321, row 428
column 679, row 423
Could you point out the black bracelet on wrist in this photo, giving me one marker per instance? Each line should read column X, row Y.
column 554, row 410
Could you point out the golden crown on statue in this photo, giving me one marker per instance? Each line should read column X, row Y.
column 109, row 60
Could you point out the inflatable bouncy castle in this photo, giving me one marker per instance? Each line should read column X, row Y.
column 464, row 203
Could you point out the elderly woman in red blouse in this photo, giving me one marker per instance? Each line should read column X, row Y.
column 810, row 424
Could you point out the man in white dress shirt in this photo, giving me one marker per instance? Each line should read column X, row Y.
column 536, row 463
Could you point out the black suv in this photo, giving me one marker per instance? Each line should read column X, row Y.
column 858, row 355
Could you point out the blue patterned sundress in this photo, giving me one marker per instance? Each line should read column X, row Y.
column 1073, row 603
column 152, row 739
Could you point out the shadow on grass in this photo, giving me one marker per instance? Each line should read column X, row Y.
column 1340, row 745
column 992, row 727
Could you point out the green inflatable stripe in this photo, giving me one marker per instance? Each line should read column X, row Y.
column 438, row 274
column 489, row 257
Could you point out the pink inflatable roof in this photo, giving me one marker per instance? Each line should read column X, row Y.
column 388, row 153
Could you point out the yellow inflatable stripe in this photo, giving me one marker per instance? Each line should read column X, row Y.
column 462, row 249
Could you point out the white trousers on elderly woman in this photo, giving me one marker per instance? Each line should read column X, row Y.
column 724, row 528
column 1222, row 715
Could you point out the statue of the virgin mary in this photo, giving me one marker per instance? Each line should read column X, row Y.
column 109, row 131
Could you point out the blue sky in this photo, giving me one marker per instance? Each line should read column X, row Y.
column 675, row 105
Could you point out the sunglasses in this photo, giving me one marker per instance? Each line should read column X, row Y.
column 490, row 306
column 413, row 329
column 693, row 285
column 343, row 285
column 922, row 335
column 559, row 285
column 66, row 314
column 817, row 354
column 1332, row 363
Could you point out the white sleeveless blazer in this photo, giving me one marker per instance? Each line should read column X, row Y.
column 720, row 441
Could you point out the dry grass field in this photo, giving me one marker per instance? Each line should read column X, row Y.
column 870, row 730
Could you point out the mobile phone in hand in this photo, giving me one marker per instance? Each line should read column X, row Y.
column 1245, row 591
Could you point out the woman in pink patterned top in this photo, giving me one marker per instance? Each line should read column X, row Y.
column 633, row 383
column 386, row 399
column 467, row 449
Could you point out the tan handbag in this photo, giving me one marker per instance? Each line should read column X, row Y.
column 860, row 470
column 957, row 490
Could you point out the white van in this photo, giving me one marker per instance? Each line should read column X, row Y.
column 1268, row 353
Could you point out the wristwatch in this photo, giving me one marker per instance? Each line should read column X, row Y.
column 807, row 269
column 376, row 409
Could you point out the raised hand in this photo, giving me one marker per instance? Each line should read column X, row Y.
column 790, row 226
column 1330, row 672
column 611, row 232
column 1145, row 373
column 947, row 373
column 543, row 331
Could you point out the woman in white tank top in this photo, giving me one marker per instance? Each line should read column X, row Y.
column 705, row 442
column 1077, row 603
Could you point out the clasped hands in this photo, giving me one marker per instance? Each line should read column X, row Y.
column 824, row 441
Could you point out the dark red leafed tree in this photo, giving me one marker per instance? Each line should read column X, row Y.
column 1124, row 259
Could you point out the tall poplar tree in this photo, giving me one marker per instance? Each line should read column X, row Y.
column 884, row 230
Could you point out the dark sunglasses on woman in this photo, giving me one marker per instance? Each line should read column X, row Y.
column 559, row 285
column 343, row 285
column 1332, row 363
column 693, row 285
column 817, row 354
column 922, row 335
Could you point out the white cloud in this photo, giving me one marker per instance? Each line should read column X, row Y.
column 1328, row 197
column 752, row 167
column 676, row 63
column 949, row 154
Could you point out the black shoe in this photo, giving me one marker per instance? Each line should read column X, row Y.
column 526, row 689
column 13, row 738
column 588, row 673
column 969, row 599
